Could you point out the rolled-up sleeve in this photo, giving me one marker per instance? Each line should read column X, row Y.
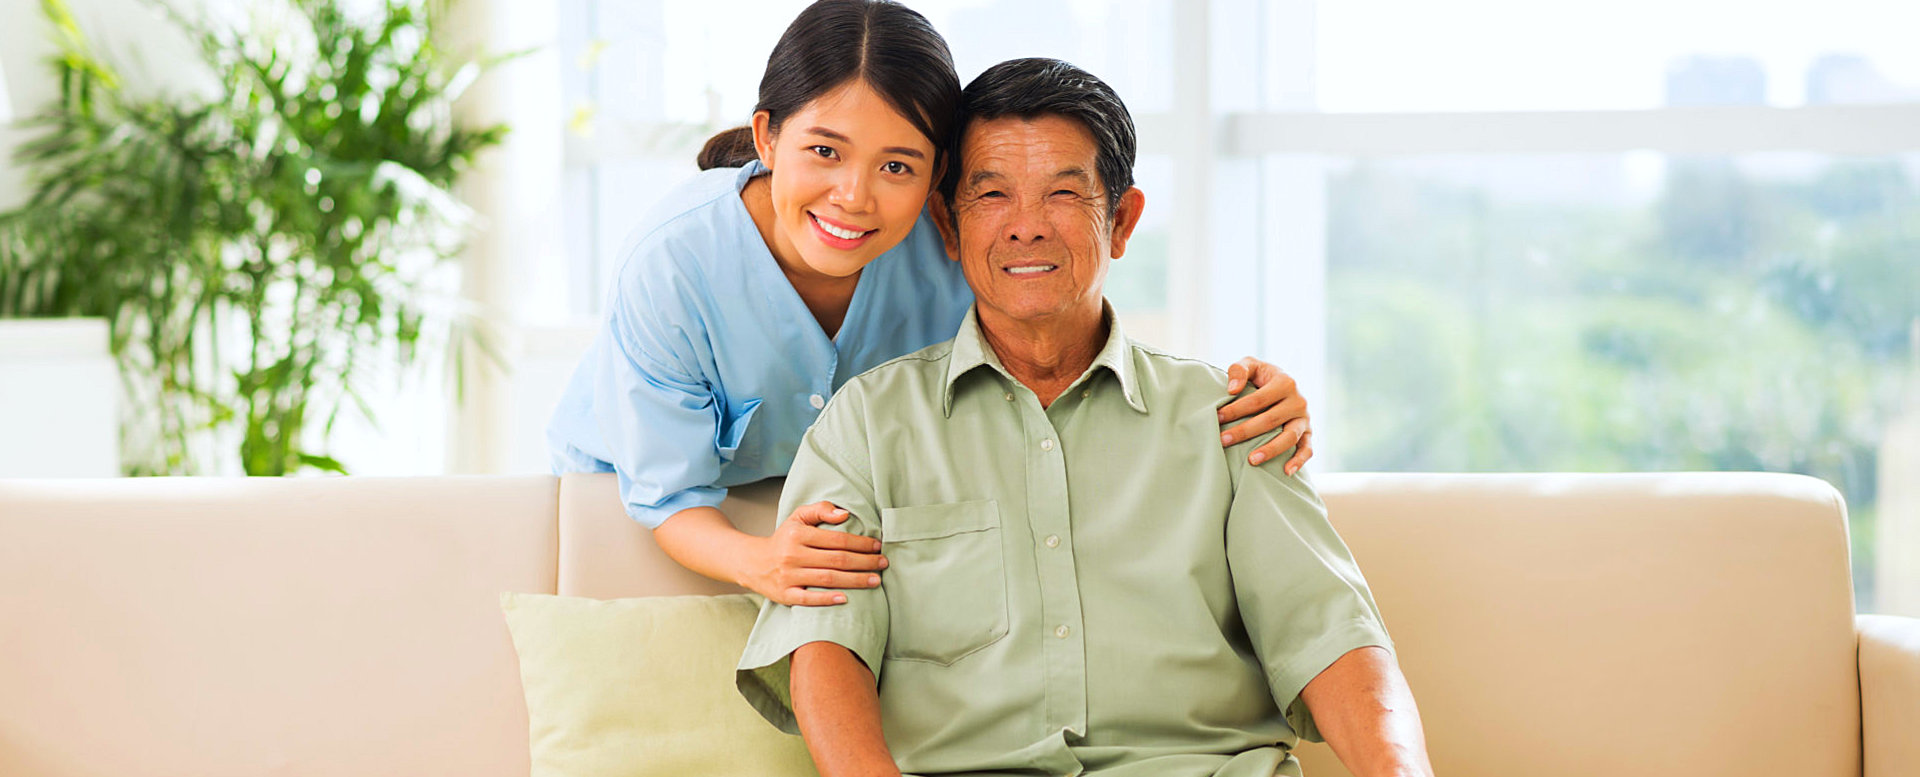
column 1302, row 597
column 659, row 418
column 832, row 466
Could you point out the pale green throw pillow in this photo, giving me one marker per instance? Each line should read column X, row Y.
column 637, row 687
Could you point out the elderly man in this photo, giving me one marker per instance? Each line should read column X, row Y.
column 1081, row 579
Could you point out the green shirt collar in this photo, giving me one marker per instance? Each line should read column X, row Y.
column 970, row 351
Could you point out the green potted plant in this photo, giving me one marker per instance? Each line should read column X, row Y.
column 262, row 255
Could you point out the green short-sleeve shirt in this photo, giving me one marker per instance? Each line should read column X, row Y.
column 1093, row 587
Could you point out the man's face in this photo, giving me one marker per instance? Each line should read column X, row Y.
column 1034, row 236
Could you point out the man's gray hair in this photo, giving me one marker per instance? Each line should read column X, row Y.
column 1036, row 87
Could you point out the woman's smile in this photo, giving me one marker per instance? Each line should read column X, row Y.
column 836, row 234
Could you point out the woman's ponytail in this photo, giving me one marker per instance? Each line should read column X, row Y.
column 730, row 148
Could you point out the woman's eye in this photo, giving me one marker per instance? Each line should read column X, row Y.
column 992, row 195
column 1068, row 192
column 897, row 168
column 825, row 151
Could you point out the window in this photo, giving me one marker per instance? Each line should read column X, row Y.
column 1485, row 235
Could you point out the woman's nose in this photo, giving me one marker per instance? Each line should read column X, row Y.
column 851, row 191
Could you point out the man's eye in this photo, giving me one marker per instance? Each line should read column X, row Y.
column 825, row 151
column 1068, row 192
column 992, row 195
column 897, row 168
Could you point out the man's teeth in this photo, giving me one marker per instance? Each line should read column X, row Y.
column 1030, row 270
column 843, row 234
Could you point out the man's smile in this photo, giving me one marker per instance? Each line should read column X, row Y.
column 1030, row 268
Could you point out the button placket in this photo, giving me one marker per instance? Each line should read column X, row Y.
column 1064, row 654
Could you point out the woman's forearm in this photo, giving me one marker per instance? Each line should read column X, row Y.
column 703, row 540
column 838, row 708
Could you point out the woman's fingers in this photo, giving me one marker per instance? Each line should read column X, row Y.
column 801, row 597
column 814, row 537
column 1271, row 388
column 844, row 560
column 827, row 578
column 1238, row 372
column 1284, row 412
column 1301, row 453
column 818, row 513
column 1290, row 436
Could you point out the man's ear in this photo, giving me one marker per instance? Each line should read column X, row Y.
column 943, row 220
column 1126, row 217
column 763, row 137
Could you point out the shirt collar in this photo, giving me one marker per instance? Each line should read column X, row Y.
column 970, row 351
column 747, row 172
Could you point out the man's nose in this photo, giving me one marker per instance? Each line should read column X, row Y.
column 852, row 191
column 1028, row 224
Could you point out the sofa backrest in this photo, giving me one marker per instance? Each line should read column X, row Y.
column 1567, row 625
column 251, row 627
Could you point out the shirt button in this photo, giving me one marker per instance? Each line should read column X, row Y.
column 1053, row 540
column 817, row 401
column 1062, row 632
column 1009, row 396
column 1086, row 393
column 1046, row 444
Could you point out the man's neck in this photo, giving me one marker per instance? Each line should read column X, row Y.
column 1046, row 355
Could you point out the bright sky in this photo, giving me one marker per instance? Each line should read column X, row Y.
column 1380, row 55
column 1538, row 54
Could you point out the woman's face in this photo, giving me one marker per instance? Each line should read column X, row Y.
column 850, row 176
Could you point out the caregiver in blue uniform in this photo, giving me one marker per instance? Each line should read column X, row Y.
column 800, row 257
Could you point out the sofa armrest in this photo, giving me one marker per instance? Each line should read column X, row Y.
column 1889, row 694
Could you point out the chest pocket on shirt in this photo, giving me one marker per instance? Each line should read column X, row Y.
column 946, row 580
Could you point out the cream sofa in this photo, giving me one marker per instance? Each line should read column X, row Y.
column 1564, row 625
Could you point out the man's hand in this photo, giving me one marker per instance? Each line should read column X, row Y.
column 1364, row 709
column 1275, row 403
column 800, row 556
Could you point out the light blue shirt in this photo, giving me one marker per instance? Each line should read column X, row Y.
column 709, row 368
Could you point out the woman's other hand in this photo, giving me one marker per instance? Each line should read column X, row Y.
column 800, row 556
column 1274, row 403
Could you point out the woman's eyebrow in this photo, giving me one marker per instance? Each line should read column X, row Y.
column 831, row 135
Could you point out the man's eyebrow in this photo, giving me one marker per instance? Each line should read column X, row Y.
column 831, row 135
column 1076, row 173
column 982, row 176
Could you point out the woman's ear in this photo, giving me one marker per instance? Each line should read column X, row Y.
column 763, row 137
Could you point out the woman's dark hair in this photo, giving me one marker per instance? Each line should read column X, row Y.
column 889, row 46
column 1031, row 88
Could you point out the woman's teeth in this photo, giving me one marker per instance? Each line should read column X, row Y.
column 843, row 234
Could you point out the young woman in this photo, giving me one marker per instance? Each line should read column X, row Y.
column 798, row 259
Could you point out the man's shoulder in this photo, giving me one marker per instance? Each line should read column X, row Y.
column 1177, row 381
column 925, row 367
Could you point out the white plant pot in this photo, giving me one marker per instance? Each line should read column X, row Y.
column 59, row 397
